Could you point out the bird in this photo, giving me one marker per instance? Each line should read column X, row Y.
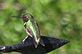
column 43, row 44
column 32, row 29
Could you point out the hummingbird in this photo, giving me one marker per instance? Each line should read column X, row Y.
column 32, row 29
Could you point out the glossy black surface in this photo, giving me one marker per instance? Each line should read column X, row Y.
column 28, row 47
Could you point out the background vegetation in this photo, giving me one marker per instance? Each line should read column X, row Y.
column 56, row 18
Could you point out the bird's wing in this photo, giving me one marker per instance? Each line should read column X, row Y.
column 28, row 30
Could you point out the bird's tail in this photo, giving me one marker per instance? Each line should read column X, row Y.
column 40, row 42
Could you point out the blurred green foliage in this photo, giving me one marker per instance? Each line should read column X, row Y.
column 57, row 18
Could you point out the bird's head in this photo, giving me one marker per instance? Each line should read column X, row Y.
column 26, row 17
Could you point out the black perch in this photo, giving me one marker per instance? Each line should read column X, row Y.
column 28, row 47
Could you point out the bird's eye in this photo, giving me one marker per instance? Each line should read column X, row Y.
column 25, row 16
